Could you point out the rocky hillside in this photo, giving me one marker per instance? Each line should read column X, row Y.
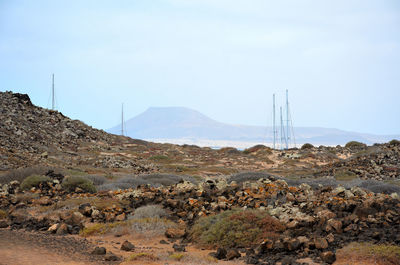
column 31, row 135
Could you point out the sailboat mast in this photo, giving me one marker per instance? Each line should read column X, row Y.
column 122, row 120
column 274, row 122
column 287, row 120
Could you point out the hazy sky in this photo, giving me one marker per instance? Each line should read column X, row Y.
column 340, row 59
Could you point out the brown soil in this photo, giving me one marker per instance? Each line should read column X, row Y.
column 29, row 248
column 161, row 252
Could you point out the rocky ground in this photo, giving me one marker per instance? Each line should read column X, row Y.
column 78, row 195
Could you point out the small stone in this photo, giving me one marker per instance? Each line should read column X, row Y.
column 62, row 229
column 3, row 224
column 99, row 251
column 320, row 243
column 53, row 228
column 179, row 248
column 120, row 217
column 232, row 254
column 111, row 257
column 328, row 257
column 85, row 209
column 162, row 241
column 127, row 246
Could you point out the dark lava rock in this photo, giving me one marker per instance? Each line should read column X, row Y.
column 328, row 257
column 162, row 241
column 179, row 248
column 99, row 251
column 232, row 254
column 111, row 257
column 127, row 246
column 221, row 253
column 3, row 224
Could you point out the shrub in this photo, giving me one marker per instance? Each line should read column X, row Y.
column 97, row 180
column 394, row 142
column 344, row 175
column 307, row 146
column 355, row 145
column 149, row 227
column 248, row 176
column 159, row 158
column 142, row 256
column 235, row 228
column 149, row 211
column 34, row 181
column 176, row 256
column 256, row 148
column 369, row 253
column 72, row 182
column 21, row 173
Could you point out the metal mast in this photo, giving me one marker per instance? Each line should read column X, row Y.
column 52, row 95
column 282, row 131
column 287, row 120
column 122, row 120
column 274, row 126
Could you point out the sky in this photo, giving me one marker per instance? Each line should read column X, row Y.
column 339, row 59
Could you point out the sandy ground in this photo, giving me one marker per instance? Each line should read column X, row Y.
column 152, row 246
column 26, row 248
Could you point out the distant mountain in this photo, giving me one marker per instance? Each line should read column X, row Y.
column 181, row 123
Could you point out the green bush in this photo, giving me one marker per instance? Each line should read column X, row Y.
column 34, row 181
column 235, row 228
column 355, row 145
column 307, row 146
column 72, row 182
column 345, row 175
column 394, row 142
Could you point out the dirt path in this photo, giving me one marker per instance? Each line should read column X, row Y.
column 21, row 247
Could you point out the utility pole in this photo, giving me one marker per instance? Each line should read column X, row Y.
column 274, row 126
column 122, row 120
column 287, row 120
column 52, row 97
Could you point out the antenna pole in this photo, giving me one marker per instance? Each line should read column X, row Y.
column 122, row 120
column 274, row 126
column 52, row 94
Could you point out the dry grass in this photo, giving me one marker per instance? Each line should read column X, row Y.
column 176, row 256
column 369, row 253
column 143, row 256
column 146, row 227
column 3, row 214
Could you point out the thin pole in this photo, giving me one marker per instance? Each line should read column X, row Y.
column 52, row 93
column 122, row 120
column 274, row 128
column 287, row 119
column 282, row 132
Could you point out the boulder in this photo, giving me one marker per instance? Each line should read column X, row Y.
column 99, row 251
column 232, row 254
column 127, row 246
column 174, row 233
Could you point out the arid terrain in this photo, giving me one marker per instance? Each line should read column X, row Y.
column 72, row 194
